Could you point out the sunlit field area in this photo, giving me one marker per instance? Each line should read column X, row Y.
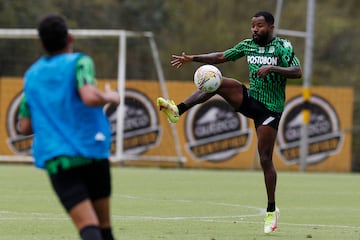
column 179, row 204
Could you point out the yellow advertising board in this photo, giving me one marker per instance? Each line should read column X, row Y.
column 329, row 138
column 210, row 135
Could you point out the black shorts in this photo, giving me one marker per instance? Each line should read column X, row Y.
column 91, row 181
column 257, row 111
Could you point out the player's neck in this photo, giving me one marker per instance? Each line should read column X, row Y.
column 269, row 40
column 67, row 49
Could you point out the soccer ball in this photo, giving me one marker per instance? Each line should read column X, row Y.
column 207, row 78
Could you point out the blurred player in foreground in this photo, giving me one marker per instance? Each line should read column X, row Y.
column 271, row 61
column 63, row 108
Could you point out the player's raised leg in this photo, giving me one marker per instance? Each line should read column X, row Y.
column 231, row 90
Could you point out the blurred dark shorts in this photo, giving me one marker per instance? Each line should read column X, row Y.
column 257, row 111
column 90, row 181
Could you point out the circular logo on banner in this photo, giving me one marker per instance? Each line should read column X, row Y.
column 215, row 132
column 324, row 136
column 141, row 127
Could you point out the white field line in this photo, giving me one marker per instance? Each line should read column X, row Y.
column 21, row 216
column 37, row 216
column 290, row 224
column 235, row 205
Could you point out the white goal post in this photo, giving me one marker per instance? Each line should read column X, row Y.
column 122, row 36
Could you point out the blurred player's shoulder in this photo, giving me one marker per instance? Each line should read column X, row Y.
column 285, row 43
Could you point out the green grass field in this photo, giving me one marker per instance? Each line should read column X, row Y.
column 178, row 204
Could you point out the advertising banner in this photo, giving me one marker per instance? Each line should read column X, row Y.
column 210, row 135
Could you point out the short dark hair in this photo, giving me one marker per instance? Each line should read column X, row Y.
column 269, row 18
column 53, row 32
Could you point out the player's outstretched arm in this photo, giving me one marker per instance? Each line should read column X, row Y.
column 92, row 96
column 210, row 58
column 179, row 60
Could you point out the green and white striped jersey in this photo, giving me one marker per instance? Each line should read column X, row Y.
column 271, row 89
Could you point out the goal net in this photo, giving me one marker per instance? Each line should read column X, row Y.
column 140, row 134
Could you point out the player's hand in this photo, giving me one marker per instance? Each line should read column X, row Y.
column 111, row 95
column 264, row 70
column 178, row 61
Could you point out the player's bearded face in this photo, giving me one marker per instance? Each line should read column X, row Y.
column 261, row 38
column 261, row 30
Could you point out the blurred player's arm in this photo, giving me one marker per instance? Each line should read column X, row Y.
column 93, row 97
column 86, row 84
column 24, row 120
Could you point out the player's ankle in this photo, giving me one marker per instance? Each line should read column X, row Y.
column 182, row 108
column 271, row 207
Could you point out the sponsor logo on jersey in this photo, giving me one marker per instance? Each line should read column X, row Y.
column 324, row 135
column 263, row 60
column 271, row 49
column 215, row 132
column 141, row 123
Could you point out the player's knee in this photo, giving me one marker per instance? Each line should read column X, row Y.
column 266, row 162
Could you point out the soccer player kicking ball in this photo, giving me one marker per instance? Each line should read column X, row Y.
column 271, row 61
